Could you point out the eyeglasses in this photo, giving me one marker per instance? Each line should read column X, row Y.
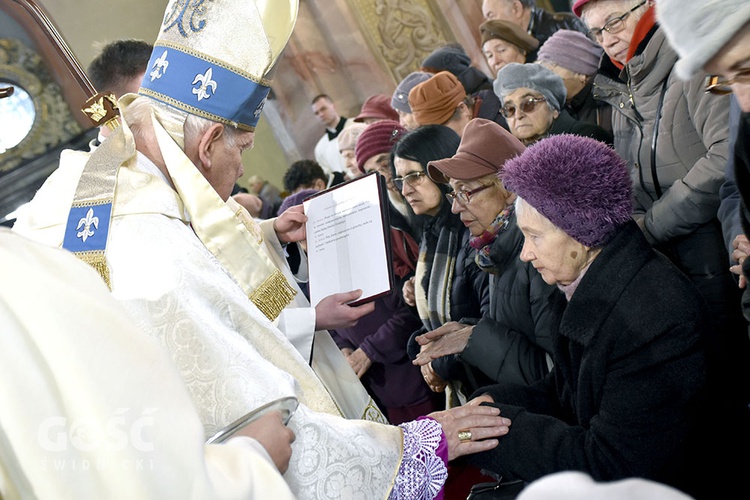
column 413, row 179
column 614, row 25
column 463, row 197
column 528, row 105
column 718, row 86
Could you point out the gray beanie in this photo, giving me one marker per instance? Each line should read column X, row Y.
column 698, row 29
column 400, row 99
column 531, row 76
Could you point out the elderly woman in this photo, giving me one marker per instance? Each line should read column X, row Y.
column 504, row 42
column 443, row 100
column 575, row 58
column 400, row 98
column 533, row 100
column 511, row 341
column 347, row 141
column 674, row 136
column 625, row 395
column 448, row 284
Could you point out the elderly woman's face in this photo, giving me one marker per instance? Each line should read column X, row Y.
column 350, row 162
column 574, row 82
column 407, row 120
column 484, row 205
column 380, row 164
column 555, row 255
column 499, row 53
column 616, row 40
column 423, row 195
column 527, row 125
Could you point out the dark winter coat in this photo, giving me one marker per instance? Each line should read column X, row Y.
column 512, row 343
column 566, row 124
column 382, row 335
column 585, row 108
column 630, row 366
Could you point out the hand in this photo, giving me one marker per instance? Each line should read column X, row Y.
column 346, row 351
column 408, row 292
column 274, row 436
column 451, row 338
column 483, row 422
column 290, row 225
column 334, row 312
column 359, row 362
column 741, row 247
column 433, row 380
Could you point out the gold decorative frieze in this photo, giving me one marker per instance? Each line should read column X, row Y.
column 401, row 33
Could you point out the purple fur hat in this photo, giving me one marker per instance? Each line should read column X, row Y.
column 580, row 184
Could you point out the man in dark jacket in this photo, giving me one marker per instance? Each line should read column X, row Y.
column 538, row 22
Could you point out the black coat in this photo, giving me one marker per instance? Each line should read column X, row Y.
column 624, row 397
column 566, row 124
column 512, row 343
column 470, row 299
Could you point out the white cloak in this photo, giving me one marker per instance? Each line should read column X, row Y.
column 92, row 408
column 232, row 358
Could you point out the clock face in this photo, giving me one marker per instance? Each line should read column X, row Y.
column 19, row 114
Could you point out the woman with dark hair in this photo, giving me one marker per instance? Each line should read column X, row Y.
column 448, row 285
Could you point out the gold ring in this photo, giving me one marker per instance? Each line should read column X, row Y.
column 464, row 435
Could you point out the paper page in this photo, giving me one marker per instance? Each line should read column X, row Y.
column 346, row 245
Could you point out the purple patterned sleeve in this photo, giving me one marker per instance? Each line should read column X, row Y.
column 424, row 467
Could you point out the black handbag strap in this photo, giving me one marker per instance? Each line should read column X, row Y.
column 654, row 176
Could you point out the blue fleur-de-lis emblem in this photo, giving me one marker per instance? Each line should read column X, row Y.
column 259, row 109
column 87, row 222
column 205, row 83
column 160, row 67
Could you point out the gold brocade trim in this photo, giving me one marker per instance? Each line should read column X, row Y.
column 373, row 414
column 273, row 295
column 193, row 110
column 249, row 224
column 97, row 260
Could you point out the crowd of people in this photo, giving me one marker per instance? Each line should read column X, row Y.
column 568, row 237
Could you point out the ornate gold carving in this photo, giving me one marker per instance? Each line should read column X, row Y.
column 401, row 32
column 102, row 109
column 53, row 123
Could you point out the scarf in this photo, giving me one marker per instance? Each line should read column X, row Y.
column 435, row 268
column 483, row 243
column 642, row 30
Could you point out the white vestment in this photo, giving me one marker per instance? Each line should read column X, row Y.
column 232, row 358
column 92, row 408
column 327, row 153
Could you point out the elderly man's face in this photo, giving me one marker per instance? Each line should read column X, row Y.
column 218, row 157
column 733, row 63
column 528, row 125
column 555, row 255
column 597, row 14
column 504, row 10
